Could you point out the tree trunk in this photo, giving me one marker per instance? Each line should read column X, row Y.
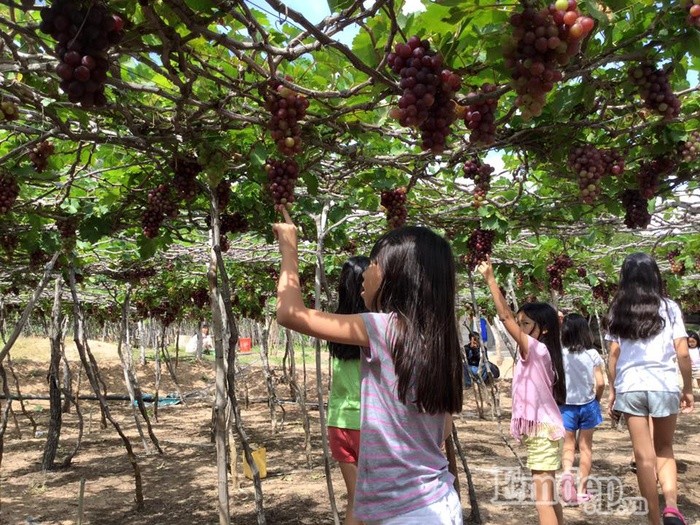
column 55, row 409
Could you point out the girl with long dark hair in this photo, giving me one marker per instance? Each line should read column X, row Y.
column 411, row 370
column 647, row 336
column 539, row 386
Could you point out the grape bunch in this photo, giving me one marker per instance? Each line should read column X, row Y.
column 38, row 258
column 83, row 32
column 8, row 110
column 589, row 165
column 556, row 272
column 40, row 155
column 224, row 243
column 394, row 201
column 649, row 175
column 653, row 86
column 428, row 91
column 480, row 173
column 479, row 247
column 200, row 297
column 282, row 176
column 67, row 227
column 603, row 291
column 690, row 149
column 542, row 42
column 223, row 193
column 519, row 280
column 480, row 117
column 234, row 223
column 677, row 266
column 636, row 209
column 185, row 179
column 9, row 191
column 693, row 7
column 614, row 162
column 8, row 242
column 161, row 205
column 286, row 109
column 581, row 271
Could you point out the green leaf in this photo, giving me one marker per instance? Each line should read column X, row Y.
column 596, row 13
column 311, row 183
column 338, row 5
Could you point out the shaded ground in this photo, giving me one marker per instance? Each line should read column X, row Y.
column 180, row 485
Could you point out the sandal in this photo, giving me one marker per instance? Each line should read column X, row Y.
column 568, row 488
column 675, row 518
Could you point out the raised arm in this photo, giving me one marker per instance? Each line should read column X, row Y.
column 291, row 311
column 503, row 310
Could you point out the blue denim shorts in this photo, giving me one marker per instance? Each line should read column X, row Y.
column 643, row 403
column 581, row 417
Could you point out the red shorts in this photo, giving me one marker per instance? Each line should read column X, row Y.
column 344, row 443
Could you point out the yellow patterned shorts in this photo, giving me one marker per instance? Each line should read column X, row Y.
column 543, row 453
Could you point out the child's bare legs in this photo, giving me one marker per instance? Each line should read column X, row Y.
column 645, row 457
column 664, row 428
column 349, row 471
column 549, row 511
column 585, row 445
column 569, row 452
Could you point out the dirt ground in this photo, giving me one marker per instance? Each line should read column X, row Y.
column 180, row 486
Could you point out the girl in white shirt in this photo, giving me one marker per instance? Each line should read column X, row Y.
column 647, row 335
column 694, row 351
column 585, row 383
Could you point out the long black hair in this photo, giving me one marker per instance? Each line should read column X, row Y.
column 634, row 311
column 350, row 301
column 576, row 334
column 418, row 286
column 694, row 335
column 546, row 318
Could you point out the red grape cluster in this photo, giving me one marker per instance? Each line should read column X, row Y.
column 481, row 174
column 649, row 175
column 66, row 228
column 9, row 191
column 223, row 193
column 84, row 33
column 185, row 180
column 200, row 297
column 614, row 162
column 589, row 165
column 693, row 7
column 653, row 86
column 8, row 110
column 394, row 201
column 479, row 247
column 542, row 42
column 160, row 206
column 581, row 271
column 234, row 223
column 690, row 149
column 224, row 243
column 281, row 178
column 428, row 91
column 636, row 209
column 38, row 257
column 556, row 272
column 8, row 242
column 677, row 266
column 519, row 280
column 286, row 109
column 480, row 117
column 40, row 155
column 603, row 291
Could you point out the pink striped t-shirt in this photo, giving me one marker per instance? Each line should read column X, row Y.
column 401, row 466
column 535, row 412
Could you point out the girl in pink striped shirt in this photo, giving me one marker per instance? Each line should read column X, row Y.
column 411, row 371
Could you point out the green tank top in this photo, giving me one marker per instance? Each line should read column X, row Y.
column 344, row 399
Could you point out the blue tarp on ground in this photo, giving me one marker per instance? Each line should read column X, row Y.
column 170, row 399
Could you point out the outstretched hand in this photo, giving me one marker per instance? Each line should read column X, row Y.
column 485, row 268
column 285, row 232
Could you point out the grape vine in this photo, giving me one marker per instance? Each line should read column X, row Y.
column 654, row 88
column 479, row 247
column 480, row 173
column 636, row 209
column 480, row 117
